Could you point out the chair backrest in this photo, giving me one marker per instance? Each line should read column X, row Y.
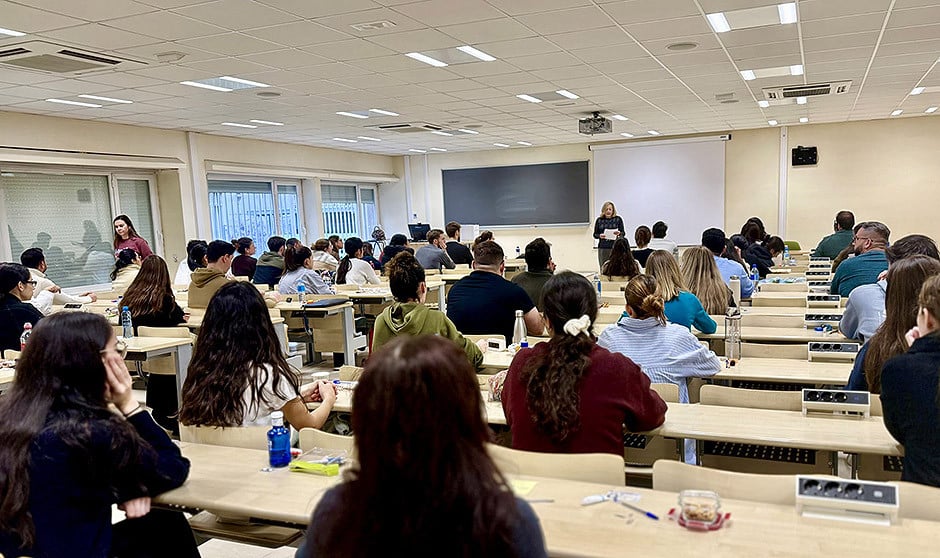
column 174, row 332
column 603, row 468
column 674, row 476
column 243, row 278
column 10, row 354
column 768, row 320
column 751, row 398
column 792, row 244
column 669, row 392
column 162, row 365
column 765, row 350
column 251, row 437
column 482, row 336
column 315, row 438
column 347, row 287
column 262, row 288
column 350, row 373
column 619, row 279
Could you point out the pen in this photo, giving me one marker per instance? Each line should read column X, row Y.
column 344, row 383
column 638, row 510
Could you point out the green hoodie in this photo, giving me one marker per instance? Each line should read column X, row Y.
column 204, row 283
column 414, row 318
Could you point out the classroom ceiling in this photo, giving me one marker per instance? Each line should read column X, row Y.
column 614, row 55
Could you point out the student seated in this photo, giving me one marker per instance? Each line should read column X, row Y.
column 424, row 480
column 323, row 259
column 659, row 241
column 715, row 241
column 35, row 260
column 458, row 252
column 207, row 280
column 238, row 375
column 702, row 277
column 909, row 388
column 271, row 264
column 621, row 262
column 830, row 246
column 353, row 270
column 126, row 268
column 484, row 302
column 244, row 264
column 869, row 245
column 539, row 269
column 67, row 457
column 409, row 316
column 682, row 307
column 369, row 257
column 195, row 258
column 298, row 261
column 395, row 245
column 434, row 255
column 643, row 235
column 16, row 289
column 570, row 395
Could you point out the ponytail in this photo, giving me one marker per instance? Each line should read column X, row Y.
column 351, row 246
column 295, row 255
column 642, row 297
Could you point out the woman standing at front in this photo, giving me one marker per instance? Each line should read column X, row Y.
column 125, row 236
column 608, row 220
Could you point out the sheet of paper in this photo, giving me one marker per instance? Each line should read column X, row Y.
column 522, row 487
column 610, row 234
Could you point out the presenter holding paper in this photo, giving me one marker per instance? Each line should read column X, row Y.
column 607, row 228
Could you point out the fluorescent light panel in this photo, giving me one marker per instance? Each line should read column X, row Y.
column 787, row 13
column 748, row 75
column 523, row 143
column 626, row 134
column 467, row 131
column 772, row 122
column 247, row 82
column 804, row 119
column 619, row 117
column 75, row 103
column 11, row 32
column 757, row 73
column 476, row 53
column 652, row 132
column 426, row 59
column 206, row 86
column 801, row 100
column 719, row 22
column 529, row 98
column 763, row 104
column 106, row 99
column 268, row 122
column 383, row 112
column 367, row 138
column 417, row 150
column 796, row 70
column 345, row 140
column 931, row 110
column 566, row 93
column 897, row 112
column 500, row 145
column 238, row 125
column 917, row 90
column 441, row 133
column 351, row 114
column 437, row 149
column 748, row 18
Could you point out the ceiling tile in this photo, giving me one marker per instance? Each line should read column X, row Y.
column 518, row 47
column 519, row 7
column 447, row 12
column 678, row 28
column 834, row 42
column 420, row 41
column 607, row 53
column 818, row 9
column 352, row 49
column 165, row 25
column 286, row 59
column 343, row 22
column 298, row 34
column 97, row 36
column 312, row 9
column 237, row 14
column 30, row 20
column 565, row 21
column 841, row 25
column 488, row 31
column 95, row 10
column 231, row 44
column 642, row 11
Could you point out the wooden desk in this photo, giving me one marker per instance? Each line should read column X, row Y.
column 779, row 334
column 195, row 322
column 381, row 294
column 786, row 371
column 6, row 378
column 231, row 481
column 494, row 409
column 784, row 299
column 787, row 310
column 351, row 341
column 143, row 348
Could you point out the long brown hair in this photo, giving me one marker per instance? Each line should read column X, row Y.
column 905, row 278
column 621, row 262
column 552, row 377
column 662, row 265
column 234, row 350
column 424, row 480
column 295, row 256
column 642, row 297
column 704, row 280
column 151, row 291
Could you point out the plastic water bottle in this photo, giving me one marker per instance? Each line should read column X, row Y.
column 755, row 275
column 519, row 330
column 786, row 255
column 278, row 441
column 597, row 283
column 27, row 330
column 518, row 252
column 302, row 292
column 126, row 323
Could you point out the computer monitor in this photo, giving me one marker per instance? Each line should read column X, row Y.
column 418, row 231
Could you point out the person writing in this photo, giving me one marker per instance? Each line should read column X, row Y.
column 608, row 220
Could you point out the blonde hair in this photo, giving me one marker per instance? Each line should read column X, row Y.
column 642, row 297
column 604, row 208
column 703, row 279
column 662, row 265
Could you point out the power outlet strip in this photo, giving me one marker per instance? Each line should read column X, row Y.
column 836, row 401
column 875, row 503
column 818, row 286
column 822, row 300
column 815, row 273
column 820, row 265
column 820, row 259
column 814, row 319
column 821, row 350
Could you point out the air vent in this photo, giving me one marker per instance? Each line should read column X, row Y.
column 408, row 128
column 373, row 25
column 811, row 90
column 60, row 59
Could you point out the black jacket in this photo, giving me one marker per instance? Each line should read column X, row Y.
column 13, row 314
column 459, row 253
column 757, row 255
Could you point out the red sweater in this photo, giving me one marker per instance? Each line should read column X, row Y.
column 136, row 243
column 614, row 392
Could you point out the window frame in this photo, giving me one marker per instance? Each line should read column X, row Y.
column 273, row 184
column 365, row 235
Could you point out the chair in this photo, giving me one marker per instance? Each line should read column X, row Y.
column 250, row 437
column 765, row 350
column 768, row 320
column 792, row 245
column 641, row 451
column 243, row 278
column 752, row 458
column 674, row 476
column 315, row 438
column 349, row 373
column 10, row 354
column 162, row 365
column 602, row 468
column 262, row 288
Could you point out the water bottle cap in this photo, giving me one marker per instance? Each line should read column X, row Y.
column 518, row 313
column 277, row 415
column 27, row 325
column 125, row 308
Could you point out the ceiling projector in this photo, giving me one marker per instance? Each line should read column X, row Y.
column 595, row 124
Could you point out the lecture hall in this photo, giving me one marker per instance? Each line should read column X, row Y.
column 469, row 278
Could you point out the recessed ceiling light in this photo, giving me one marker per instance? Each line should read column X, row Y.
column 238, row 125
column 931, row 110
column 897, row 112
column 106, row 99
column 523, row 143
column 476, row 53
column 466, row 131
column 206, row 86
column 718, row 22
column 796, row 70
column 682, row 46
column 11, row 32
column 384, row 112
column 787, row 13
column 652, row 132
column 763, row 104
column 76, row 103
column 500, row 145
column 268, row 122
column 529, row 98
column 417, row 150
column 804, row 119
column 801, row 100
column 426, row 59
column 619, row 117
column 441, row 133
column 437, row 149
column 352, row 114
column 246, row 82
column 566, row 93
column 748, row 75
column 367, row 138
column 772, row 122
column 626, row 134
column 917, row 90
column 345, row 140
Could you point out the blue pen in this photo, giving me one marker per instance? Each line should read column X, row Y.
column 638, row 510
column 344, row 383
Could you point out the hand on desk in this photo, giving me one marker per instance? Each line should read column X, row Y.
column 319, row 391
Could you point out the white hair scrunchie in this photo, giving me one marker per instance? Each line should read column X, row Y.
column 577, row 326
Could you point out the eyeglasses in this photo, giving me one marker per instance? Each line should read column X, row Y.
column 33, row 283
column 857, row 238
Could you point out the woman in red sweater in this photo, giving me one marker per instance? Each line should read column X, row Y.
column 569, row 395
column 125, row 236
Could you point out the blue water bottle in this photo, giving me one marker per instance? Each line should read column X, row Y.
column 755, row 275
column 786, row 255
column 126, row 323
column 302, row 292
column 278, row 441
column 597, row 283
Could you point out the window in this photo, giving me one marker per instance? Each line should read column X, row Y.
column 69, row 216
column 349, row 210
column 240, row 208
